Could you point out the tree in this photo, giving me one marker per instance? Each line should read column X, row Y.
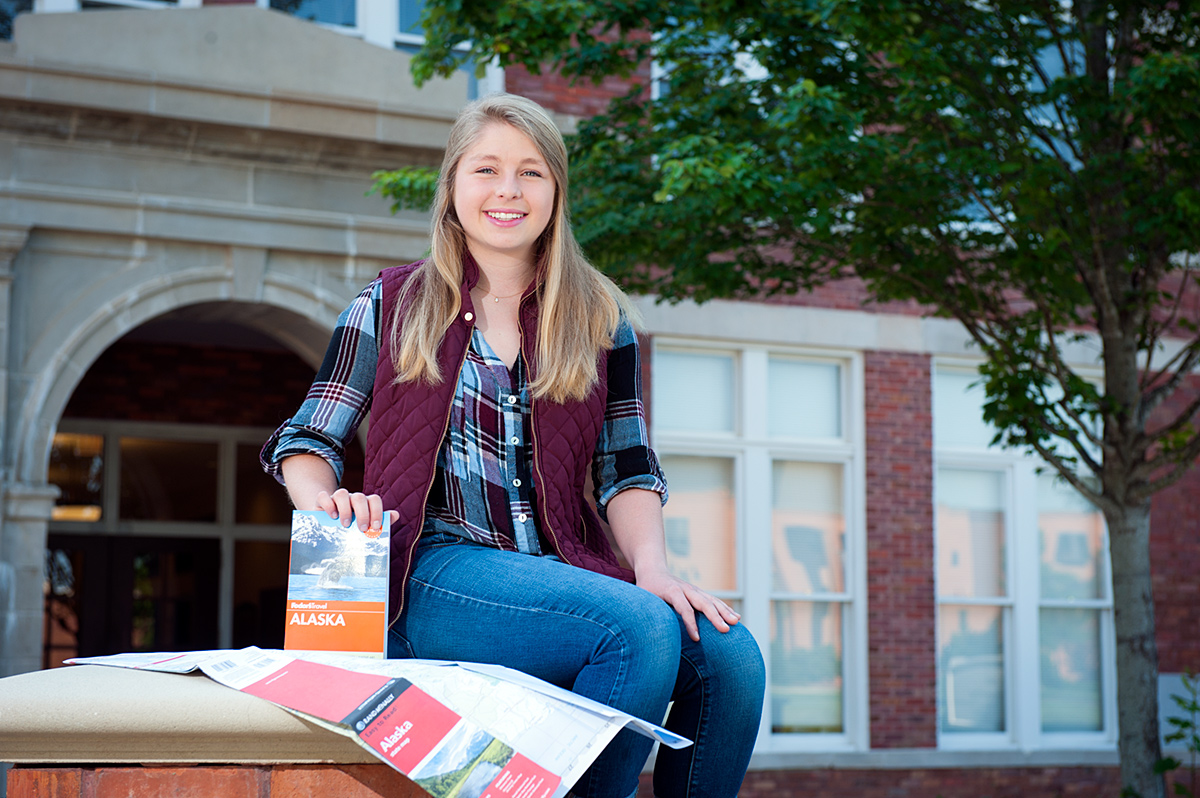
column 1024, row 167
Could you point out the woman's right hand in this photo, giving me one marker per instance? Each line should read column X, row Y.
column 366, row 510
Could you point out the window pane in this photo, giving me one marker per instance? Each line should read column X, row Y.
column 260, row 569
column 807, row 528
column 804, row 399
column 168, row 480
column 61, row 610
column 693, row 391
column 971, row 548
column 410, row 16
column 77, row 468
column 958, row 411
column 1070, row 659
column 700, row 521
column 970, row 669
column 333, row 12
column 806, row 666
column 260, row 499
column 1072, row 543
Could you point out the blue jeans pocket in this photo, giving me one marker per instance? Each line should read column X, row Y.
column 398, row 646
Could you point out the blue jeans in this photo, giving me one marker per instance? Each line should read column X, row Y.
column 602, row 638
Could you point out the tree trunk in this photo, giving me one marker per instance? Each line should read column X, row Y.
column 1137, row 653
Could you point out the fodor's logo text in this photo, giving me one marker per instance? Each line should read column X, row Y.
column 395, row 737
column 317, row 619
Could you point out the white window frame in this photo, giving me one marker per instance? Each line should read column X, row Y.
column 753, row 452
column 225, row 528
column 1022, row 606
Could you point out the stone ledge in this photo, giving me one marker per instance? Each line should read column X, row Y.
column 90, row 714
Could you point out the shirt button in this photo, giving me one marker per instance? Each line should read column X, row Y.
column 516, row 483
column 468, row 315
column 522, row 517
column 512, row 399
column 515, row 439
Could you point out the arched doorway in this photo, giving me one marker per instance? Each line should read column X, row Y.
column 167, row 535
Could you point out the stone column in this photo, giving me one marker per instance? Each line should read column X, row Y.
column 24, row 509
column 22, row 563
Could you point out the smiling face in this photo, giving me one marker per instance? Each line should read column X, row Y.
column 503, row 195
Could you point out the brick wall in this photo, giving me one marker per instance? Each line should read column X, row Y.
column 1175, row 562
column 380, row 781
column 208, row 781
column 1083, row 782
column 900, row 592
column 582, row 98
column 137, row 381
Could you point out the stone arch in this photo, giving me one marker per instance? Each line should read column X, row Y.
column 299, row 315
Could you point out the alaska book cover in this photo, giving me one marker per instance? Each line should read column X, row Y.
column 337, row 587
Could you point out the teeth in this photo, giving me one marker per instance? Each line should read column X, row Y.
column 504, row 217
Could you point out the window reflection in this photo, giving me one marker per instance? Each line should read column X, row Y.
column 700, row 521
column 806, row 667
column 970, row 669
column 331, row 12
column 807, row 527
column 1070, row 670
column 77, row 468
column 164, row 480
column 970, row 534
column 1072, row 543
column 259, row 498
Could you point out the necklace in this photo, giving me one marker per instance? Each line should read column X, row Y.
column 497, row 299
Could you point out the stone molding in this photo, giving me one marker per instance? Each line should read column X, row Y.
column 25, row 502
column 242, row 66
column 12, row 241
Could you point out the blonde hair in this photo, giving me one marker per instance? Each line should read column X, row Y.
column 579, row 307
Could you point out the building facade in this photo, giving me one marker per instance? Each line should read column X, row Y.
column 183, row 214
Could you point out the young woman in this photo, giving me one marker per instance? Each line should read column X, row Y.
column 499, row 371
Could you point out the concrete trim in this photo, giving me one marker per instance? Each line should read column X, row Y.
column 927, row 758
column 185, row 73
column 94, row 714
column 12, row 241
column 799, row 325
column 211, row 221
column 24, row 502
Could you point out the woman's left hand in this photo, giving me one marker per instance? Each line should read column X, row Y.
column 686, row 598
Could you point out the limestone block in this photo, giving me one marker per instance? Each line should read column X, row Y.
column 401, row 244
column 302, row 231
column 236, row 47
column 71, row 166
column 14, row 80
column 187, row 102
column 324, row 119
column 8, row 149
column 100, row 714
column 321, row 192
column 68, row 210
column 413, row 130
column 89, row 91
column 180, row 178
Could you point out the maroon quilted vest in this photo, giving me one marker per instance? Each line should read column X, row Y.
column 408, row 422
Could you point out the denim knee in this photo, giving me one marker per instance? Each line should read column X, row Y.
column 644, row 633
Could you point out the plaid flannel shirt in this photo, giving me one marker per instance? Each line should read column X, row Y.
column 483, row 489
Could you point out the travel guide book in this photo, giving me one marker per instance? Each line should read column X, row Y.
column 337, row 587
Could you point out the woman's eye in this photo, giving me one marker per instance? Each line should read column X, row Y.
column 531, row 173
column 486, row 170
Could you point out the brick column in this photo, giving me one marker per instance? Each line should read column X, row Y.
column 901, row 613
